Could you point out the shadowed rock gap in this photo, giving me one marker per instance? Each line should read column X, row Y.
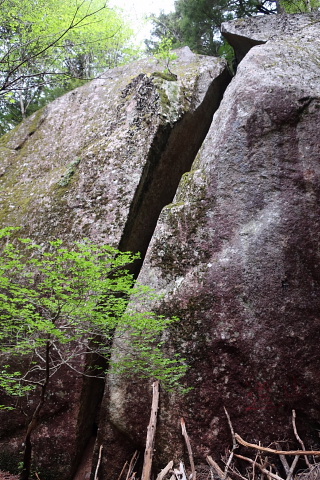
column 172, row 153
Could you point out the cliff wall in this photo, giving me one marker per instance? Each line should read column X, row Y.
column 234, row 252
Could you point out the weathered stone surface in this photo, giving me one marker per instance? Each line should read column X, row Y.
column 245, row 33
column 100, row 162
column 74, row 168
column 236, row 256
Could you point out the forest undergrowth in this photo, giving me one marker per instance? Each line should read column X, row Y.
column 244, row 461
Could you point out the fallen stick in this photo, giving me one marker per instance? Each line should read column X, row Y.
column 148, row 455
column 264, row 470
column 297, row 436
column 277, row 452
column 132, row 464
column 164, row 471
column 217, row 469
column 98, row 463
column 234, row 444
column 186, row 437
column 293, row 466
column 123, row 469
column 284, row 461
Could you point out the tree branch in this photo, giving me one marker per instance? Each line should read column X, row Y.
column 277, row 452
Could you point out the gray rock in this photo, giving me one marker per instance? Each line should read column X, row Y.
column 245, row 33
column 236, row 256
column 236, row 253
column 100, row 162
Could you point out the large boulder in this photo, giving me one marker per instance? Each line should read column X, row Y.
column 100, row 162
column 236, row 256
column 245, row 33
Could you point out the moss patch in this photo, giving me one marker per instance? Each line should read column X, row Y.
column 71, row 170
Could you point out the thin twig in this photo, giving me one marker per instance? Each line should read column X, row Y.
column 264, row 470
column 234, row 441
column 98, row 463
column 123, row 469
column 254, row 466
column 226, row 468
column 277, row 452
column 298, row 438
column 234, row 444
column 132, row 464
column 187, row 440
column 217, row 469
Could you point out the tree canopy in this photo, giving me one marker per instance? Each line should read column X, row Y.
column 52, row 45
column 60, row 304
column 196, row 23
column 70, row 296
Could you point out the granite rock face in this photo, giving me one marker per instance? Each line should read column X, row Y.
column 101, row 162
column 243, row 34
column 87, row 155
column 236, row 256
column 235, row 251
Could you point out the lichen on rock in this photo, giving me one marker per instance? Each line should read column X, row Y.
column 101, row 162
column 235, row 256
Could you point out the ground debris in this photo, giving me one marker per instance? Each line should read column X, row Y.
column 8, row 476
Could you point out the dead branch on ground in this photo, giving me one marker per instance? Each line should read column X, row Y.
column 147, row 464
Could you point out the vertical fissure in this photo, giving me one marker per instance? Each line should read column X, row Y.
column 172, row 153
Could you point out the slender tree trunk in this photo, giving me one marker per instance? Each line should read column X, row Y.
column 22, row 109
column 279, row 7
column 27, row 455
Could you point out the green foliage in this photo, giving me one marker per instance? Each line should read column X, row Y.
column 226, row 51
column 299, row 6
column 196, row 23
column 58, row 304
column 165, row 53
column 46, row 44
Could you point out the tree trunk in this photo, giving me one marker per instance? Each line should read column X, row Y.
column 27, row 454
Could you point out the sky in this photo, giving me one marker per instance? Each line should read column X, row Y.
column 137, row 10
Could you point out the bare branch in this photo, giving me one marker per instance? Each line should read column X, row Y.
column 293, row 466
column 146, row 471
column 73, row 24
column 278, row 452
column 234, row 444
column 264, row 470
column 187, row 440
column 98, row 463
column 217, row 469
column 132, row 465
column 164, row 471
column 298, row 438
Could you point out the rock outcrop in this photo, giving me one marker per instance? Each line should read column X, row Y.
column 101, row 162
column 235, row 254
column 236, row 257
column 245, row 33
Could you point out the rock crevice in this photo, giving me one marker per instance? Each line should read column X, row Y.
column 225, row 208
column 101, row 162
column 171, row 154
